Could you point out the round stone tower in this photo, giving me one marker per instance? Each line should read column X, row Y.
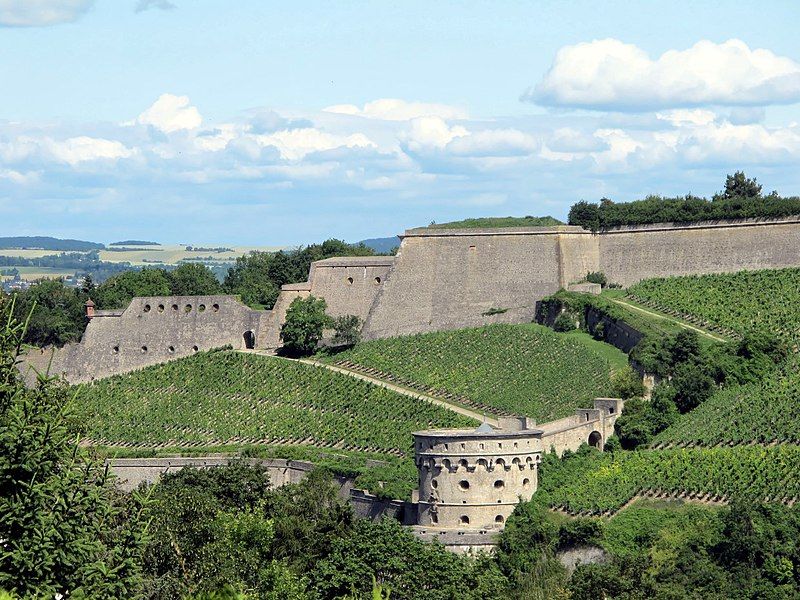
column 473, row 478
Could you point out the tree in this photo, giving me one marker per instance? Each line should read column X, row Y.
column 304, row 325
column 585, row 214
column 348, row 330
column 626, row 384
column 117, row 291
column 193, row 279
column 251, row 279
column 57, row 313
column 739, row 186
column 63, row 529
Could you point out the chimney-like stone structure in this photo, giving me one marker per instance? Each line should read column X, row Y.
column 89, row 309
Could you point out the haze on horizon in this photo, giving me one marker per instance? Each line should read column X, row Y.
column 288, row 123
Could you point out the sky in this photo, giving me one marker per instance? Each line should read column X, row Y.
column 285, row 123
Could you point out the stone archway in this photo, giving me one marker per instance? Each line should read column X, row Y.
column 249, row 340
column 596, row 439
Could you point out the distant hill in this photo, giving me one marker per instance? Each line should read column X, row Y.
column 134, row 243
column 381, row 245
column 498, row 222
column 48, row 243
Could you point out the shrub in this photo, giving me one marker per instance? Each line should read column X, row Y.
column 597, row 277
column 564, row 322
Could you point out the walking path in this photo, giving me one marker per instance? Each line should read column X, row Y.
column 403, row 390
column 666, row 318
column 389, row 386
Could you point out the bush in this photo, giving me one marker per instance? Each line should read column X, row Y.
column 627, row 384
column 597, row 277
column 563, row 323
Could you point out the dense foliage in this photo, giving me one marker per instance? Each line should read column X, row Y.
column 303, row 326
column 48, row 243
column 763, row 301
column 518, row 369
column 740, row 199
column 258, row 277
column 493, row 222
column 591, row 481
column 232, row 398
column 62, row 528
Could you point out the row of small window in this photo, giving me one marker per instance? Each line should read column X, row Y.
column 481, row 446
column 464, row 519
column 187, row 309
column 145, row 350
column 498, row 485
column 377, row 281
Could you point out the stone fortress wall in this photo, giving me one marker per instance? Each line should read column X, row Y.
column 440, row 279
column 630, row 254
column 149, row 331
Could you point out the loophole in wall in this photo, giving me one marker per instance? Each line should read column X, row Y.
column 146, row 308
column 144, row 349
column 215, row 307
column 201, row 308
column 463, row 484
column 160, row 308
column 187, row 308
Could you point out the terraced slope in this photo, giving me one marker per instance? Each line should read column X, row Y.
column 604, row 482
column 767, row 300
column 763, row 412
column 229, row 398
column 517, row 369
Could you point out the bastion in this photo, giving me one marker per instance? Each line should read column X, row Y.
column 475, row 478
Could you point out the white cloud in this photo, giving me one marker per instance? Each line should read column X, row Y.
column 171, row 113
column 83, row 148
column 431, row 132
column 493, row 142
column 683, row 116
column 611, row 75
column 392, row 109
column 295, row 144
column 41, row 13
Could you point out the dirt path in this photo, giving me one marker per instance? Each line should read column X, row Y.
column 671, row 319
column 402, row 390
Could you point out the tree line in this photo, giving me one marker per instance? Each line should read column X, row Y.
column 741, row 198
column 58, row 312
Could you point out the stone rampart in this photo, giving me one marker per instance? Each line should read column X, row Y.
column 452, row 278
column 632, row 253
column 591, row 426
column 349, row 286
column 153, row 330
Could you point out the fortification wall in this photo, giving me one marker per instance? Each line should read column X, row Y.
column 446, row 279
column 630, row 254
column 153, row 330
column 591, row 426
column 349, row 286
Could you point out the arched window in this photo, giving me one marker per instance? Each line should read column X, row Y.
column 464, row 520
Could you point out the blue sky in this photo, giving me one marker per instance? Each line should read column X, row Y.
column 286, row 123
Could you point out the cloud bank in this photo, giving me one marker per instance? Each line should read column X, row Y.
column 611, row 75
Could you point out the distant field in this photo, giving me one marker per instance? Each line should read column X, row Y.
column 230, row 398
column 172, row 254
column 518, row 369
column 31, row 273
column 27, row 253
column 765, row 300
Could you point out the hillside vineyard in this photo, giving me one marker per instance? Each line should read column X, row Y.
column 441, row 279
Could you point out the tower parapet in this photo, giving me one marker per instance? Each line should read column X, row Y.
column 473, row 478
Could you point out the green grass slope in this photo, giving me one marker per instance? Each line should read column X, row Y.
column 231, row 398
column 766, row 300
column 493, row 222
column 518, row 369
